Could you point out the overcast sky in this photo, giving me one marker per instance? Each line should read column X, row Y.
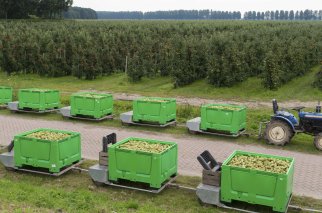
column 230, row 5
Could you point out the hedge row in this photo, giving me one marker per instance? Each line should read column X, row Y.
column 223, row 52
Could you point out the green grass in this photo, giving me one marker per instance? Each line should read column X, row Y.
column 301, row 143
column 75, row 192
column 298, row 89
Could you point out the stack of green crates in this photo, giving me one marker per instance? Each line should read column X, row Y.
column 256, row 186
column 223, row 118
column 5, row 95
column 91, row 104
column 158, row 110
column 39, row 99
column 140, row 166
column 47, row 154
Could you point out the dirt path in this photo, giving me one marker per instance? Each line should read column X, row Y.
column 308, row 169
column 199, row 101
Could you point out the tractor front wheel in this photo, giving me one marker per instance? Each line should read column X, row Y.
column 278, row 133
column 318, row 141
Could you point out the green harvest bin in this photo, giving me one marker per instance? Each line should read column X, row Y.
column 158, row 110
column 39, row 99
column 144, row 167
column 223, row 117
column 51, row 155
column 255, row 186
column 91, row 104
column 5, row 95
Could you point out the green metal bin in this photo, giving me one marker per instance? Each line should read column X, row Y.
column 255, row 186
column 38, row 99
column 139, row 166
column 223, row 118
column 158, row 110
column 51, row 155
column 5, row 95
column 91, row 104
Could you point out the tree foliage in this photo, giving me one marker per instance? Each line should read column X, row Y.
column 224, row 53
column 318, row 79
column 213, row 15
column 80, row 13
column 171, row 14
column 22, row 9
column 284, row 15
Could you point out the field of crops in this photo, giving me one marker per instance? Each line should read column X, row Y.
column 223, row 52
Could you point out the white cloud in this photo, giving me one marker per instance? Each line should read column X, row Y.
column 230, row 5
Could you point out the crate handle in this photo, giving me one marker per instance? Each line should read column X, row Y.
column 208, row 162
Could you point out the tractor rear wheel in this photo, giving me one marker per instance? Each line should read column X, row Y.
column 278, row 133
column 318, row 141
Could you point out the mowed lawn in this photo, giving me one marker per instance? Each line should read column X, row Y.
column 75, row 192
column 298, row 89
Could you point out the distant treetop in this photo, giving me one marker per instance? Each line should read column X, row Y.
column 213, row 14
column 21, row 9
column 80, row 13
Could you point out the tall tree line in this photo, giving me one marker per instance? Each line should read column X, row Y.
column 284, row 15
column 212, row 14
column 80, row 13
column 20, row 9
column 172, row 14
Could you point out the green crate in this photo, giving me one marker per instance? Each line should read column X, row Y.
column 140, row 166
column 5, row 95
column 255, row 186
column 91, row 104
column 229, row 118
column 38, row 99
column 51, row 155
column 158, row 110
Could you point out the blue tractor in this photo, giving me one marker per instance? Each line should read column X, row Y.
column 284, row 125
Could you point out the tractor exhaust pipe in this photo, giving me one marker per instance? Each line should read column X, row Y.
column 318, row 108
column 275, row 106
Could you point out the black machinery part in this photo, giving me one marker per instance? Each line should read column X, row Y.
column 109, row 139
column 10, row 146
column 275, row 106
column 318, row 107
column 311, row 125
column 298, row 109
column 208, row 162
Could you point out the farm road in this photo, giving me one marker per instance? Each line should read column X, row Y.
column 199, row 101
column 308, row 169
